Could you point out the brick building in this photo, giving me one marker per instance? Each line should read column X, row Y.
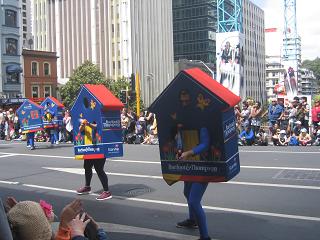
column 40, row 74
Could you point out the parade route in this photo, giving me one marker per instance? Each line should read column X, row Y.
column 275, row 196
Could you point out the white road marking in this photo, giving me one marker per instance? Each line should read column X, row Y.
column 273, row 185
column 281, row 168
column 37, row 155
column 151, row 162
column 286, row 152
column 7, row 155
column 117, row 228
column 8, row 182
column 152, row 201
column 80, row 171
column 11, row 143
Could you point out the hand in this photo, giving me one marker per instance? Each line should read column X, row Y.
column 69, row 212
column 185, row 155
column 92, row 221
column 78, row 225
column 11, row 201
column 84, row 122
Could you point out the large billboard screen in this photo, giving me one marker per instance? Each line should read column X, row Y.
column 290, row 78
column 230, row 60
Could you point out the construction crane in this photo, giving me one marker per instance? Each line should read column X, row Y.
column 291, row 56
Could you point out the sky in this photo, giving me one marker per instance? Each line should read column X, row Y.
column 308, row 26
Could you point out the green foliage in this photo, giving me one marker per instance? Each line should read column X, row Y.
column 315, row 98
column 313, row 65
column 116, row 86
column 87, row 73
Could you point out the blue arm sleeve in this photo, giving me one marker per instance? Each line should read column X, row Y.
column 204, row 142
column 250, row 135
column 102, row 235
column 242, row 134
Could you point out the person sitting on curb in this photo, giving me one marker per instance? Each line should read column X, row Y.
column 304, row 137
column 293, row 140
column 262, row 138
column 275, row 137
column 283, row 139
column 317, row 138
column 246, row 137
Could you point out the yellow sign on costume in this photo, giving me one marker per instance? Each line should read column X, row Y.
column 87, row 135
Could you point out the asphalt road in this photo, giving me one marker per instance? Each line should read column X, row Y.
column 276, row 195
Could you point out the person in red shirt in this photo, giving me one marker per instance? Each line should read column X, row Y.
column 315, row 113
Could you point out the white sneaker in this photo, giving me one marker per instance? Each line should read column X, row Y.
column 57, row 143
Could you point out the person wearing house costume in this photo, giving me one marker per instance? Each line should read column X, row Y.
column 198, row 140
column 98, row 164
column 96, row 122
column 48, row 117
column 29, row 115
column 194, row 191
column 52, row 117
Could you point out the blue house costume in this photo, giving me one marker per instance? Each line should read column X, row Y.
column 198, row 140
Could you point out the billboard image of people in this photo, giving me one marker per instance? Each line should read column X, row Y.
column 230, row 60
column 290, row 78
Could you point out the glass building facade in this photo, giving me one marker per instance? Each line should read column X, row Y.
column 194, row 30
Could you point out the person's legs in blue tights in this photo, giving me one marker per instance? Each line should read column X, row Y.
column 194, row 193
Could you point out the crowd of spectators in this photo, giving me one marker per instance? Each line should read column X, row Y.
column 10, row 128
column 140, row 129
column 279, row 124
column 284, row 124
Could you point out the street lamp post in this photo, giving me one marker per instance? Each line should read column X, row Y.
column 206, row 66
column 150, row 78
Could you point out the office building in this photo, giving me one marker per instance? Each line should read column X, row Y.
column 27, row 39
column 39, row 21
column 10, row 52
column 194, row 30
column 254, row 52
column 120, row 36
column 308, row 83
column 195, row 26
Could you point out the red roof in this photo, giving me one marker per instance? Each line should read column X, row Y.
column 36, row 104
column 212, row 85
column 104, row 96
column 57, row 102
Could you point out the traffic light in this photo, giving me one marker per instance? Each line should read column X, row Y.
column 133, row 96
column 133, row 82
column 123, row 96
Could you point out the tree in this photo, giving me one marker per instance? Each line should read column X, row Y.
column 87, row 73
column 313, row 65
